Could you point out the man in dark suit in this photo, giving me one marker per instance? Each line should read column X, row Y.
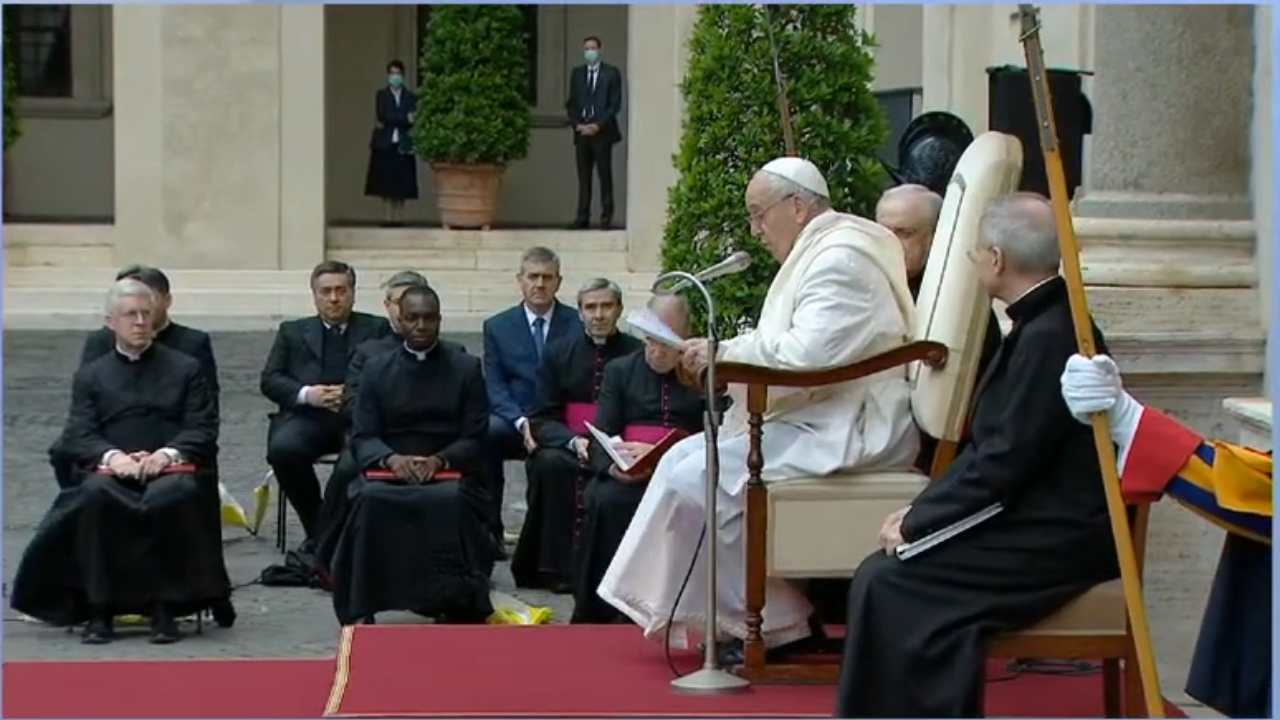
column 304, row 376
column 513, row 343
column 595, row 99
column 102, row 341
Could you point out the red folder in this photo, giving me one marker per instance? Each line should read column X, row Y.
column 174, row 469
column 388, row 476
column 577, row 415
column 646, row 463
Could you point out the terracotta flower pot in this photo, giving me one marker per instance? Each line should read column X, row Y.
column 467, row 195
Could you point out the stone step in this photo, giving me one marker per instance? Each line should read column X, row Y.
column 1167, row 253
column 364, row 238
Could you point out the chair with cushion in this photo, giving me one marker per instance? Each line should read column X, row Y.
column 825, row 526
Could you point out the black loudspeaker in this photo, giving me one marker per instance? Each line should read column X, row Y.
column 1011, row 109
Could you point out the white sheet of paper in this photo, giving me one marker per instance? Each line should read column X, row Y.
column 620, row 457
column 649, row 325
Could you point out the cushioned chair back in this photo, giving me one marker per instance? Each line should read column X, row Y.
column 952, row 308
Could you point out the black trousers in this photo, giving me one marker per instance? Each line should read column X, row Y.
column 502, row 442
column 295, row 441
column 597, row 153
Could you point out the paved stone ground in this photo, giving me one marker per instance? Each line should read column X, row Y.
column 273, row 622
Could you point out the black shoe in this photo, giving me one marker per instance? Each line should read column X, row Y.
column 579, row 225
column 164, row 629
column 606, row 222
column 223, row 612
column 98, row 632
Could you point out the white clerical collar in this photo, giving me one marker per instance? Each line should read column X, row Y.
column 530, row 315
column 132, row 356
column 420, row 354
column 342, row 327
column 1033, row 288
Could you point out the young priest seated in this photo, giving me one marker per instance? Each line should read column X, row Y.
column 640, row 401
column 142, row 431
column 414, row 537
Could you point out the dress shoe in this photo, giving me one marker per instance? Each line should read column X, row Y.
column 98, row 632
column 579, row 225
column 164, row 629
column 606, row 222
column 223, row 612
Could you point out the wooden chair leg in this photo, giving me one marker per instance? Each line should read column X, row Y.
column 753, row 648
column 1134, row 705
column 1111, row 687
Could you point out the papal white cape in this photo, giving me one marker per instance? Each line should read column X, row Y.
column 840, row 296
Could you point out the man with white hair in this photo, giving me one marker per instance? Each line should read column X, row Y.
column 918, row 628
column 143, row 430
column 911, row 213
column 840, row 296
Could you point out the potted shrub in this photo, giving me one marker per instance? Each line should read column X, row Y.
column 473, row 117
column 732, row 127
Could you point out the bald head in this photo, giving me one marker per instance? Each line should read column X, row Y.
column 1022, row 226
column 673, row 310
column 911, row 212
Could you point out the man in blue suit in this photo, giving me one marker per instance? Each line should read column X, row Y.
column 513, row 344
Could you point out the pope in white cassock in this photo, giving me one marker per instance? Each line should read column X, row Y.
column 840, row 296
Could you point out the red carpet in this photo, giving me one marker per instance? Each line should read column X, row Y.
column 167, row 688
column 568, row 671
column 441, row 671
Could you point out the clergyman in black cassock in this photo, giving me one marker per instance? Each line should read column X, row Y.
column 102, row 341
column 119, row 544
column 303, row 375
column 417, row 544
column 334, row 506
column 633, row 393
column 571, row 372
column 918, row 628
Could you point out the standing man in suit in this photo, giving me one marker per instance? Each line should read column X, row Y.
column 186, row 340
column 513, row 343
column 595, row 99
column 304, row 376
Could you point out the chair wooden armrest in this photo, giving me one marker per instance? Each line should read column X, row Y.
column 931, row 353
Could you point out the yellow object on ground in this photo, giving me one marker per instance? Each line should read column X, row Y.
column 508, row 610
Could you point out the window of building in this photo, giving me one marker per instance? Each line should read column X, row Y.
column 530, row 13
column 900, row 108
column 41, row 37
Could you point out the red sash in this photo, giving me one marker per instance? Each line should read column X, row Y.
column 649, row 434
column 577, row 415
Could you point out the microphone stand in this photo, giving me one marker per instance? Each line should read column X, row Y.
column 711, row 678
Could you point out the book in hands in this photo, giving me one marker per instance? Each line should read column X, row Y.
column 642, row 465
column 906, row 551
column 651, row 326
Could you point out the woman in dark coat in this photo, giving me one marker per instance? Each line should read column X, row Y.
column 393, row 171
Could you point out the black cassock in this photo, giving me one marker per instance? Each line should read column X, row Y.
column 917, row 629
column 632, row 394
column 571, row 371
column 335, row 504
column 117, row 543
column 416, row 547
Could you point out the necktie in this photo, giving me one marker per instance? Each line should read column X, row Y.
column 538, row 339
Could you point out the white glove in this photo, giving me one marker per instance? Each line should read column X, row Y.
column 1093, row 385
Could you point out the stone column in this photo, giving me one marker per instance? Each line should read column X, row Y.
column 1172, row 105
column 219, row 126
column 657, row 41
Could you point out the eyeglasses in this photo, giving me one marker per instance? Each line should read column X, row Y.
column 757, row 215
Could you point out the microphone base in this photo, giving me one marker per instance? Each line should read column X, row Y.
column 710, row 681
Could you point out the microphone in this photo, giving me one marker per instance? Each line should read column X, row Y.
column 735, row 263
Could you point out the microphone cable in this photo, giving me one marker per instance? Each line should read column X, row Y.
column 679, row 594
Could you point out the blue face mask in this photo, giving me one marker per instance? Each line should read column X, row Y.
column 591, row 56
column 395, row 80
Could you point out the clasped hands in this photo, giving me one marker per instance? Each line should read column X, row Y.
column 415, row 469
column 140, row 465
column 587, row 129
column 328, row 397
